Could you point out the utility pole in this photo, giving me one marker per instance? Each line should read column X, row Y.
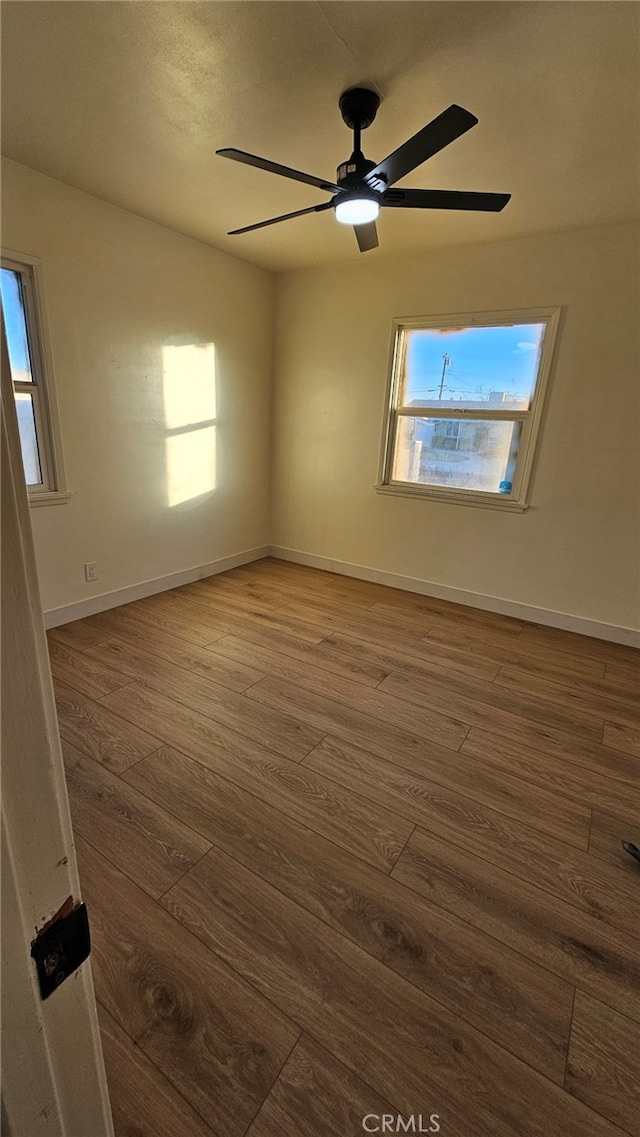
column 446, row 363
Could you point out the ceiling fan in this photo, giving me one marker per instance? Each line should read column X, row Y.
column 361, row 187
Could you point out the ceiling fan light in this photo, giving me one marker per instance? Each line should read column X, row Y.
column 357, row 210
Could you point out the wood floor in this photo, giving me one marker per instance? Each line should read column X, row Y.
column 350, row 851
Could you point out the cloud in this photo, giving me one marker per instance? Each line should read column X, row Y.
column 525, row 345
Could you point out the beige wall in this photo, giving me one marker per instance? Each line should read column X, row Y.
column 575, row 550
column 127, row 301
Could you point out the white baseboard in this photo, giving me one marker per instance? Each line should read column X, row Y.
column 567, row 622
column 563, row 620
column 68, row 612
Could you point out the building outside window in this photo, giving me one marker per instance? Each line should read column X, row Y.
column 466, row 395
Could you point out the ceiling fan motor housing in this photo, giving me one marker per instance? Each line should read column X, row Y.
column 353, row 171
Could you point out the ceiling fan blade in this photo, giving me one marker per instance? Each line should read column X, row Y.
column 366, row 236
column 275, row 168
column 446, row 199
column 434, row 137
column 283, row 217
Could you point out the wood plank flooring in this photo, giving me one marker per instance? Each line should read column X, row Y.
column 353, row 851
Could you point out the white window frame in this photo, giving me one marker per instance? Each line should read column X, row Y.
column 53, row 490
column 517, row 500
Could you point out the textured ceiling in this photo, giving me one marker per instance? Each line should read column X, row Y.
column 129, row 101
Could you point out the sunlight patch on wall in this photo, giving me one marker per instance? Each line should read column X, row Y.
column 189, row 391
column 191, row 464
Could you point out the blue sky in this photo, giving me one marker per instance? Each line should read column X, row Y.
column 14, row 322
column 482, row 360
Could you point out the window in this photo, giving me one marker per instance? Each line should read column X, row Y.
column 23, row 332
column 465, row 403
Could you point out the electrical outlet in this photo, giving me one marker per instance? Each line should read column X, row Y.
column 91, row 570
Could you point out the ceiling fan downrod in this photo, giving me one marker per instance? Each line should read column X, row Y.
column 358, row 107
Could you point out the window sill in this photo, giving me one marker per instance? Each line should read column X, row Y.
column 52, row 497
column 502, row 505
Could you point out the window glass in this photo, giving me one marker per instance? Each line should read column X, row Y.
column 28, row 438
column 475, row 368
column 15, row 326
column 467, row 454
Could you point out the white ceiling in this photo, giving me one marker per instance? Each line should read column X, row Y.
column 129, row 101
